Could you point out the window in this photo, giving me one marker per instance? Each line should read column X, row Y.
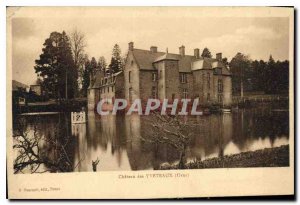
column 108, row 89
column 112, row 88
column 154, row 77
column 154, row 92
column 220, row 86
column 185, row 93
column 183, row 77
column 173, row 96
column 208, row 97
column 129, row 76
column 208, row 80
column 130, row 95
column 218, row 71
column 220, row 98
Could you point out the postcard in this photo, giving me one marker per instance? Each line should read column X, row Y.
column 150, row 102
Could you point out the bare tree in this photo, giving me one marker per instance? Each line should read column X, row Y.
column 78, row 44
column 173, row 130
column 34, row 150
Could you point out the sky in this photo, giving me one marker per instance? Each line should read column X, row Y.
column 258, row 37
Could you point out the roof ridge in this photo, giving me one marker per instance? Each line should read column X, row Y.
column 162, row 52
column 147, row 50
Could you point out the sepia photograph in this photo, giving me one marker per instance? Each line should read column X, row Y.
column 147, row 94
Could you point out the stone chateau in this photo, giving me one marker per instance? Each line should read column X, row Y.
column 162, row 75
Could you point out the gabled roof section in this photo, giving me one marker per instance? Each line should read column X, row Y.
column 16, row 85
column 146, row 58
column 166, row 56
column 209, row 63
column 100, row 77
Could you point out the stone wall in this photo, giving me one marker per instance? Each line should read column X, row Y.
column 171, row 80
column 134, row 85
column 146, row 84
column 160, row 66
column 188, row 86
column 227, row 90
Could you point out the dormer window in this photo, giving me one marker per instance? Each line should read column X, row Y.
column 218, row 71
column 183, row 77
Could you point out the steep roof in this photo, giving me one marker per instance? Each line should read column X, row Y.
column 97, row 81
column 146, row 58
column 166, row 56
column 17, row 84
column 99, row 77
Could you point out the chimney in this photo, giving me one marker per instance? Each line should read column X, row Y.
column 196, row 53
column 153, row 49
column 130, row 46
column 182, row 50
column 219, row 56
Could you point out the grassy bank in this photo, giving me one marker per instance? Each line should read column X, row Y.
column 269, row 157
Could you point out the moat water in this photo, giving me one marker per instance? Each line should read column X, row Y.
column 118, row 141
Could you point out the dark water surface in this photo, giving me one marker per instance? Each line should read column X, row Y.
column 116, row 140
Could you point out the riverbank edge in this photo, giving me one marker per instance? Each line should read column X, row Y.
column 268, row 157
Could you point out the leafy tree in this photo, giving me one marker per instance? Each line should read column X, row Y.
column 102, row 64
column 90, row 71
column 271, row 77
column 240, row 68
column 259, row 75
column 93, row 66
column 283, row 77
column 56, row 68
column 276, row 76
column 116, row 64
column 86, row 76
column 206, row 53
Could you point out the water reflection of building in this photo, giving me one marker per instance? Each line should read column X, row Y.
column 79, row 132
column 259, row 128
column 138, row 159
column 104, row 140
column 105, row 86
column 211, row 136
column 117, row 140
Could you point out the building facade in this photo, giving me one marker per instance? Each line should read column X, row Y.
column 37, row 89
column 105, row 87
column 163, row 75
